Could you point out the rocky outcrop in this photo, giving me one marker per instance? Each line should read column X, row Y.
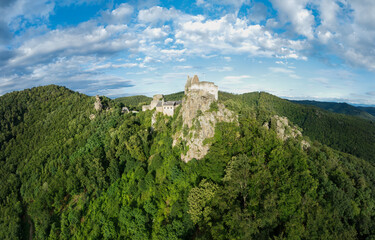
column 284, row 130
column 124, row 110
column 200, row 113
column 98, row 104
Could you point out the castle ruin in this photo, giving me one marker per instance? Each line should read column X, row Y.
column 160, row 105
column 193, row 85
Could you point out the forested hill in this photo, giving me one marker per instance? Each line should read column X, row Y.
column 344, row 108
column 345, row 133
column 370, row 110
column 65, row 176
column 342, row 132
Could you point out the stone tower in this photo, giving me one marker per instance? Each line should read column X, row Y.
column 190, row 81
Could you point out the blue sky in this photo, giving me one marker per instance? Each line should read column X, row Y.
column 297, row 49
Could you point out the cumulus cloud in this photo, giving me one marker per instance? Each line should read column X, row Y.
column 234, row 35
column 168, row 40
column 343, row 28
column 349, row 36
column 155, row 33
column 157, row 14
column 295, row 11
column 119, row 15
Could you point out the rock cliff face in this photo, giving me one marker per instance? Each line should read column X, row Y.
column 284, row 130
column 200, row 112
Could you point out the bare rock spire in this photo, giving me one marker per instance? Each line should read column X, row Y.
column 98, row 104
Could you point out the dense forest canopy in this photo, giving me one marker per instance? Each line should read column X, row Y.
column 66, row 176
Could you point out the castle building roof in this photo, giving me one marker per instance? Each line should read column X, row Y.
column 172, row 103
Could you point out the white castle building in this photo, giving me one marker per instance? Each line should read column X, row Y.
column 160, row 105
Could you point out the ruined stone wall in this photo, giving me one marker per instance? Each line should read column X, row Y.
column 209, row 87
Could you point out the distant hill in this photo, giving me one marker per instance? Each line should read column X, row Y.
column 134, row 102
column 370, row 110
column 343, row 108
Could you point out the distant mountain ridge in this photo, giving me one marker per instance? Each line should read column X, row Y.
column 343, row 108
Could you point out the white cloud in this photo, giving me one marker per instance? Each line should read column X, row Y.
column 171, row 53
column 86, row 38
column 229, row 35
column 227, row 58
column 295, row 11
column 280, row 70
column 347, row 30
column 119, row 15
column 155, row 33
column 168, row 40
column 363, row 13
column 110, row 65
column 157, row 14
column 328, row 13
column 183, row 67
column 29, row 10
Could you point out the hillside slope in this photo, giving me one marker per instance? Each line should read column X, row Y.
column 114, row 177
column 342, row 132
